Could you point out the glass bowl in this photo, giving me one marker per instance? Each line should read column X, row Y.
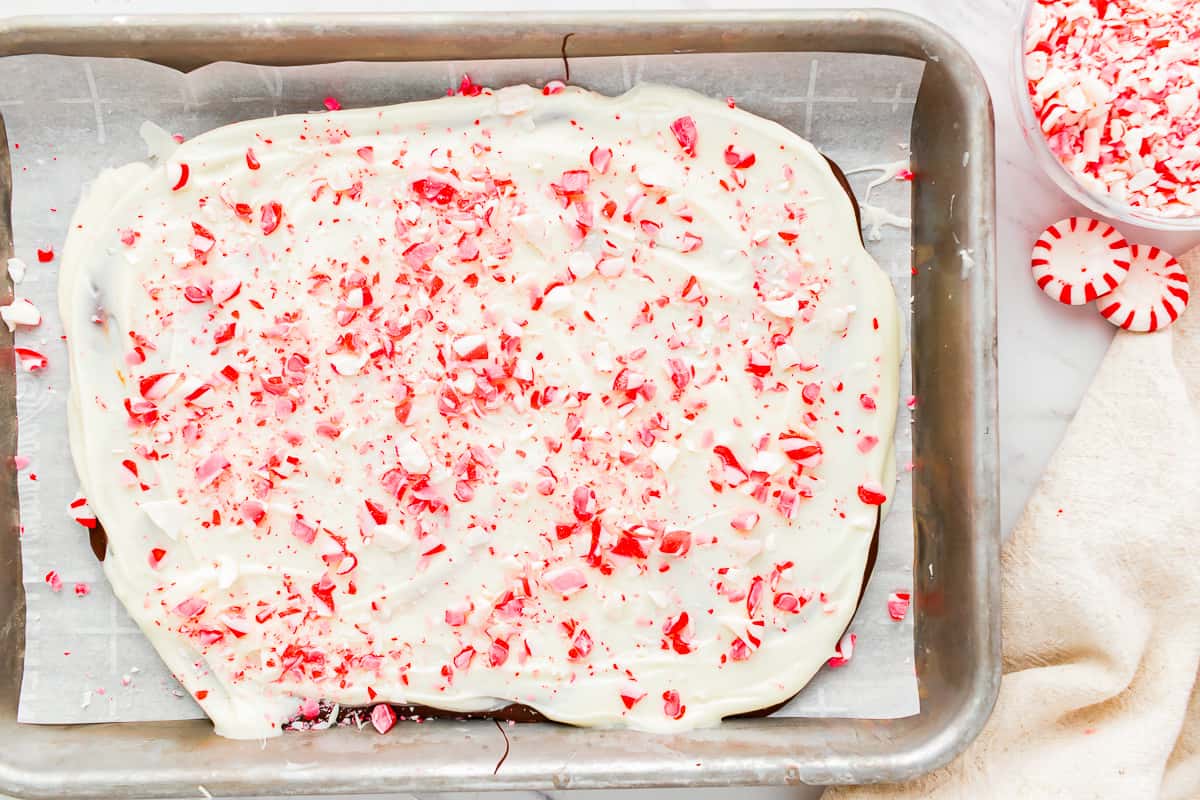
column 1102, row 204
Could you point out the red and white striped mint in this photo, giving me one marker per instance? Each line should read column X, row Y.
column 1078, row 259
column 1152, row 297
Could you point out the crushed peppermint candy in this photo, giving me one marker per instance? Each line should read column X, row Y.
column 1115, row 89
column 81, row 512
column 30, row 360
column 897, row 605
column 20, row 313
column 16, row 270
column 845, row 651
column 53, row 580
column 383, row 718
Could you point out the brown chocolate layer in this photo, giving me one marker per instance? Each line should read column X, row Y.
column 98, row 539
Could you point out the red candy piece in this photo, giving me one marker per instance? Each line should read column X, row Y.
column 271, row 214
column 54, row 581
column 383, row 717
column 1078, row 259
column 468, row 87
column 30, row 360
column 82, row 513
column 684, row 129
column 897, row 605
column 180, row 173
column 872, row 493
column 1153, row 295
column 845, row 651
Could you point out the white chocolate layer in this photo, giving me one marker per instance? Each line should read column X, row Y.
column 440, row 404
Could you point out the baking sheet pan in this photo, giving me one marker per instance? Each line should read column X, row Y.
column 954, row 494
column 68, row 118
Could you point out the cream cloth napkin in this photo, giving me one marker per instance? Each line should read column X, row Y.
column 1101, row 598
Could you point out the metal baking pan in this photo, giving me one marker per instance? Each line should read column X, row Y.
column 956, row 492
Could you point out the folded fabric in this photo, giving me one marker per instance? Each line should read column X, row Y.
column 1101, row 599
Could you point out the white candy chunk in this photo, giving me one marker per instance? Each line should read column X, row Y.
column 839, row 318
column 411, row 213
column 227, row 572
column 612, row 267
column 532, row 226
column 167, row 515
column 1091, row 144
column 787, row 356
column 515, row 99
column 652, row 174
column 557, row 299
column 1035, row 65
column 465, row 383
column 392, row 537
column 348, row 363
column 16, row 270
column 663, row 455
column 464, row 345
column 603, row 357
column 1133, row 140
column 1145, row 178
column 787, row 307
column 20, row 312
column 768, row 461
column 523, row 371
column 159, row 143
column 581, row 264
column 1075, row 99
column 734, row 624
column 412, row 456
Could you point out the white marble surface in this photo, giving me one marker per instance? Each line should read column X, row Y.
column 1048, row 353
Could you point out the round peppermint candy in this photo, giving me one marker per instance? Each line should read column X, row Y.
column 1153, row 295
column 1078, row 259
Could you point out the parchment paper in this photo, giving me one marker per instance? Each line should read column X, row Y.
column 66, row 118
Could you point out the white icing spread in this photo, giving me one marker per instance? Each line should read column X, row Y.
column 530, row 358
column 887, row 172
column 875, row 217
